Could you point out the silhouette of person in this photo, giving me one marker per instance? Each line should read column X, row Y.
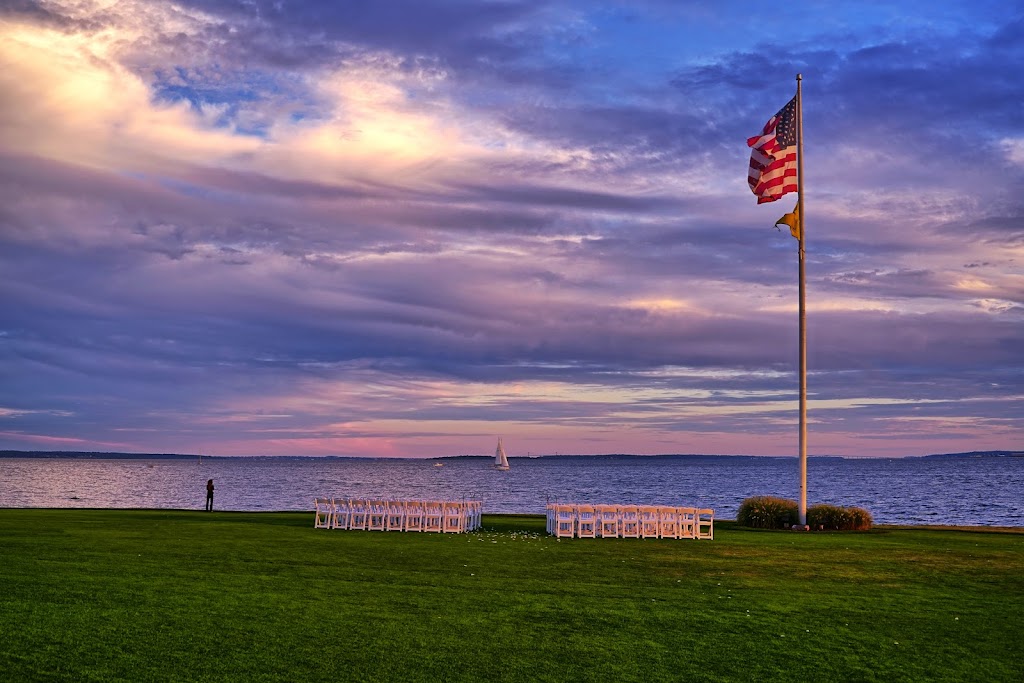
column 209, row 495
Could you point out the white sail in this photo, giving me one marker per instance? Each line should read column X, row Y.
column 500, row 459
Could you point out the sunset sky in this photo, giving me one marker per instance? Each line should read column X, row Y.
column 406, row 228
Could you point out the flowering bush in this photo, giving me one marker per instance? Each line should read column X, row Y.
column 768, row 512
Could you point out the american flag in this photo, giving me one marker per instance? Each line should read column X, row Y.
column 773, row 156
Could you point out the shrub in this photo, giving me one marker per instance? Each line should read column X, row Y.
column 826, row 517
column 838, row 518
column 860, row 519
column 768, row 512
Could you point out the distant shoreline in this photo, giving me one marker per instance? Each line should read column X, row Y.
column 100, row 455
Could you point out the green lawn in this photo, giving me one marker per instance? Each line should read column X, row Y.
column 155, row 595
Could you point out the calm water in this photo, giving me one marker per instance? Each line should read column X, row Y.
column 966, row 491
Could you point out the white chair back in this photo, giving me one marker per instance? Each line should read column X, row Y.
column 629, row 521
column 586, row 521
column 433, row 516
column 607, row 520
column 706, row 523
column 549, row 514
column 414, row 515
column 454, row 517
column 377, row 516
column 687, row 522
column 649, row 523
column 324, row 511
column 565, row 521
column 395, row 516
column 358, row 514
column 342, row 513
column 668, row 522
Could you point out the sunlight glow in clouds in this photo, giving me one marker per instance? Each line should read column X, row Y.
column 94, row 110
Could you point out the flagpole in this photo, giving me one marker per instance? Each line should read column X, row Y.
column 803, row 305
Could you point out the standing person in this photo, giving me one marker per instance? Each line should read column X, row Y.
column 209, row 495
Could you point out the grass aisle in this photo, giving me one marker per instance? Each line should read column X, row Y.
column 175, row 595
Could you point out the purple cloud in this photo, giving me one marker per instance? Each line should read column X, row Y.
column 394, row 228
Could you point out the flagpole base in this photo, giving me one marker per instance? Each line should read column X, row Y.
column 801, row 527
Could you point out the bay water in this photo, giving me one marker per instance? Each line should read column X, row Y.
column 960, row 491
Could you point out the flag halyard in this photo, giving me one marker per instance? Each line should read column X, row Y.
column 773, row 156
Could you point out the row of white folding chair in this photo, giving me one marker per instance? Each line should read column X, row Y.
column 629, row 521
column 398, row 515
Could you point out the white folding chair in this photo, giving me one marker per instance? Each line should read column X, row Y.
column 649, row 524
column 629, row 521
column 687, row 522
column 706, row 523
column 358, row 514
column 433, row 516
column 607, row 520
column 454, row 517
column 414, row 515
column 342, row 513
column 396, row 515
column 668, row 522
column 324, row 510
column 377, row 516
column 586, row 521
column 565, row 521
column 549, row 513
column 475, row 520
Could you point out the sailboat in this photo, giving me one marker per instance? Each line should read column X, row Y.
column 500, row 459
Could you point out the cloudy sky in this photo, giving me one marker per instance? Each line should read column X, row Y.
column 404, row 228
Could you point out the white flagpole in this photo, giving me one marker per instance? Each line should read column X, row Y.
column 803, row 306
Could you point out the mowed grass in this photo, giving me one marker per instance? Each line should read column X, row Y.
column 158, row 595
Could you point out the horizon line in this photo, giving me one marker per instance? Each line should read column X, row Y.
column 13, row 453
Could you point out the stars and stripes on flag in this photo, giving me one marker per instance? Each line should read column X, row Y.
column 773, row 156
